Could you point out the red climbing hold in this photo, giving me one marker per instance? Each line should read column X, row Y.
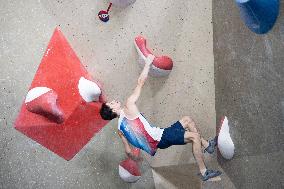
column 162, row 65
column 129, row 170
column 45, row 104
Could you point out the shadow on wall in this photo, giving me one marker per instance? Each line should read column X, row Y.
column 282, row 107
column 249, row 87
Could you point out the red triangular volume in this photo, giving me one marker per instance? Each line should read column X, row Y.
column 75, row 121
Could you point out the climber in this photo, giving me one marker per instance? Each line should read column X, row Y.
column 133, row 128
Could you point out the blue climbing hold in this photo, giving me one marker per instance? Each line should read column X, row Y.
column 259, row 15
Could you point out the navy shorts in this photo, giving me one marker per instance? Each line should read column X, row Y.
column 173, row 135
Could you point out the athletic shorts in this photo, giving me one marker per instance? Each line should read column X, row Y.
column 173, row 135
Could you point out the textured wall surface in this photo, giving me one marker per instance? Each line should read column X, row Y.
column 181, row 30
column 249, row 83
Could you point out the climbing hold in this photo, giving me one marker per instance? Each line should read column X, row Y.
column 259, row 15
column 122, row 3
column 225, row 142
column 103, row 15
column 161, row 66
column 129, row 170
column 89, row 90
column 43, row 101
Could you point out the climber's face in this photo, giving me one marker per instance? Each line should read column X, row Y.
column 114, row 105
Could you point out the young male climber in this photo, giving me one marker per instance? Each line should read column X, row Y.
column 134, row 128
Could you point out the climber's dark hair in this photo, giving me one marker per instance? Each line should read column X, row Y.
column 107, row 113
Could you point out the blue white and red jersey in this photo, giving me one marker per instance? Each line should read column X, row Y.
column 140, row 133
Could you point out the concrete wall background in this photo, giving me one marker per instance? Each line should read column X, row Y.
column 182, row 30
column 249, row 83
